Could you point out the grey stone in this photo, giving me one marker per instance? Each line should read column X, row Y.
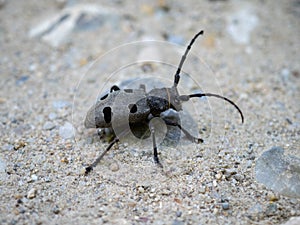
column 48, row 126
column 67, row 131
column 279, row 172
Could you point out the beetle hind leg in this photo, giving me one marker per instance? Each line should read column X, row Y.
column 155, row 153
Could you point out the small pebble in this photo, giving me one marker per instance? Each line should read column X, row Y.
column 34, row 177
column 285, row 72
column 2, row 100
column 141, row 189
column 48, row 125
column 58, row 104
column 67, row 131
column 229, row 172
column 22, row 80
column 238, row 177
column 176, row 39
column 32, row 67
column 31, row 193
column 82, row 171
column 293, row 221
column 177, row 222
column 202, row 189
column 218, row 176
column 178, row 213
column 166, row 191
column 271, row 209
column 215, row 183
column 7, row 147
column 249, row 163
column 52, row 116
column 225, row 205
column 56, row 209
column 2, row 166
column 61, row 3
column 19, row 144
column 64, row 160
column 114, row 167
column 241, row 24
column 272, row 197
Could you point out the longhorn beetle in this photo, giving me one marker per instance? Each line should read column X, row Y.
column 138, row 107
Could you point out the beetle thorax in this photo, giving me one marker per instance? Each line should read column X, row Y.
column 162, row 99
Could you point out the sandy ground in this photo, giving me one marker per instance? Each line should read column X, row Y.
column 50, row 77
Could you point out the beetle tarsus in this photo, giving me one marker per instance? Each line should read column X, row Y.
column 155, row 154
column 90, row 168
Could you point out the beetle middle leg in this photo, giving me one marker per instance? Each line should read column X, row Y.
column 155, row 154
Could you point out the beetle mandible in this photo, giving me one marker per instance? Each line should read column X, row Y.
column 142, row 107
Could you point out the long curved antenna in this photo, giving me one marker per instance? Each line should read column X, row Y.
column 187, row 97
column 177, row 74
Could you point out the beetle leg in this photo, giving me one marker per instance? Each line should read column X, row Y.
column 187, row 134
column 155, row 155
column 90, row 168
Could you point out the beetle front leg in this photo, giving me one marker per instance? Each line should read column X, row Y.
column 155, row 154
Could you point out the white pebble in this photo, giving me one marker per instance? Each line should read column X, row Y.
column 67, row 131
column 34, row 177
column 48, row 125
column 31, row 193
column 114, row 167
column 241, row 23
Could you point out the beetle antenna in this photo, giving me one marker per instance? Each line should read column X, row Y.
column 177, row 74
column 187, row 97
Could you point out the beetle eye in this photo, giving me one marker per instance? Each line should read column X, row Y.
column 107, row 114
column 132, row 108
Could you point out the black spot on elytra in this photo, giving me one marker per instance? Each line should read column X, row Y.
column 114, row 88
column 107, row 114
column 104, row 97
column 132, row 108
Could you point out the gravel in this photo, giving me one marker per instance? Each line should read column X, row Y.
column 48, row 81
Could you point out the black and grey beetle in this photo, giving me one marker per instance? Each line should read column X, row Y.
column 138, row 107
